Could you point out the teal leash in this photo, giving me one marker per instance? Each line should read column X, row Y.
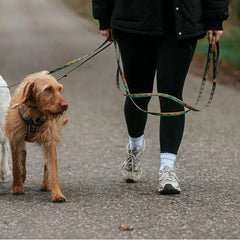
column 213, row 50
column 82, row 60
column 213, row 54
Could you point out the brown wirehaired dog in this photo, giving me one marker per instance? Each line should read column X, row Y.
column 35, row 114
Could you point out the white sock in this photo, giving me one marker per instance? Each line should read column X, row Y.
column 135, row 143
column 167, row 159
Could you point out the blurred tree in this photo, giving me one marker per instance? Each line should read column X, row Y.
column 234, row 9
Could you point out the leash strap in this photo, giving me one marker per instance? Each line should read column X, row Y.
column 10, row 86
column 85, row 60
column 213, row 50
column 82, row 59
column 213, row 54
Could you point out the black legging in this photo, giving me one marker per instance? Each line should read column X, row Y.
column 142, row 56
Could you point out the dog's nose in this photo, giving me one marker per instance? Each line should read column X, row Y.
column 64, row 107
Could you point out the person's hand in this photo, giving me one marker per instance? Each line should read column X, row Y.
column 108, row 34
column 216, row 33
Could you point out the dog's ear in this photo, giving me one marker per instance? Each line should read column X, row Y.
column 27, row 94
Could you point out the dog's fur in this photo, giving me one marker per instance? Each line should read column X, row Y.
column 43, row 91
column 4, row 145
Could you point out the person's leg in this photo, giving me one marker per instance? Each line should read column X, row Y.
column 139, row 63
column 174, row 58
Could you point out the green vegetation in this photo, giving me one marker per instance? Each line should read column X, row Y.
column 230, row 42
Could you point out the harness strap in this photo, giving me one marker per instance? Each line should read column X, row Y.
column 33, row 127
column 212, row 50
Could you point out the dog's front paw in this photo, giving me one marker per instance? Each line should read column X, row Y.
column 44, row 188
column 16, row 190
column 58, row 198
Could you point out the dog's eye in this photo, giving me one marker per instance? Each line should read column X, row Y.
column 48, row 89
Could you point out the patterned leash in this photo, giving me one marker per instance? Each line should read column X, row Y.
column 213, row 54
column 213, row 50
column 82, row 60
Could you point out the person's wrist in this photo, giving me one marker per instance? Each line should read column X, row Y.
column 213, row 25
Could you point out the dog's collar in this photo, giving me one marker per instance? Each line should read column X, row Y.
column 33, row 127
column 32, row 107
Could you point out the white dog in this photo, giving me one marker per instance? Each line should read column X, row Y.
column 4, row 145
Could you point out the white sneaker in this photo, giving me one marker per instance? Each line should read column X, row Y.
column 132, row 168
column 168, row 182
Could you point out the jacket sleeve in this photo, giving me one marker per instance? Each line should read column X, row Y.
column 102, row 11
column 214, row 13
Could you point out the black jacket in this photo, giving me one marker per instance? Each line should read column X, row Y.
column 191, row 17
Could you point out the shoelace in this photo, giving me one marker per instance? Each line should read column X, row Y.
column 168, row 175
column 133, row 160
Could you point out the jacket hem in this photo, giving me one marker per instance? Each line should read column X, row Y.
column 197, row 35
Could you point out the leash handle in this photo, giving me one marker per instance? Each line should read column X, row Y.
column 212, row 55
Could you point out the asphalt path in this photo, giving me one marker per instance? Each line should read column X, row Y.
column 40, row 34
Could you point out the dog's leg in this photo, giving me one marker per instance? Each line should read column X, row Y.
column 17, row 149
column 23, row 163
column 7, row 157
column 51, row 153
column 45, row 184
column 4, row 169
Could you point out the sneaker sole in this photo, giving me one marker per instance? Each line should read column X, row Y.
column 130, row 181
column 168, row 189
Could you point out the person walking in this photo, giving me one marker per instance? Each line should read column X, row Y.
column 157, row 36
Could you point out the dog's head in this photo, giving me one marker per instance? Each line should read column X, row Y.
column 42, row 90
